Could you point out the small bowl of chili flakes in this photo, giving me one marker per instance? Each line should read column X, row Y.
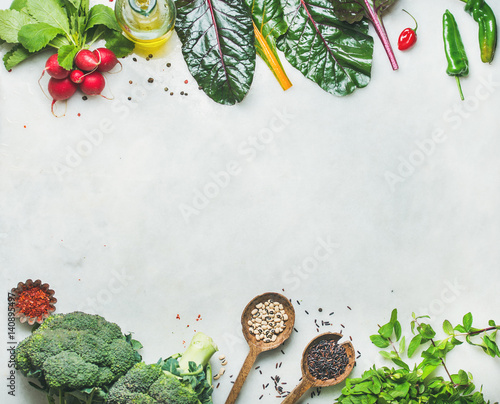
column 33, row 301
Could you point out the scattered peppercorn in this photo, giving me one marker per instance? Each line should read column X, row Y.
column 134, row 59
column 169, row 64
column 150, row 80
column 84, row 98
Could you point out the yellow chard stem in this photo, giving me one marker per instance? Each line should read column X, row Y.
column 275, row 65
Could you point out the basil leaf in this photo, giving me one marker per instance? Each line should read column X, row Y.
column 66, row 55
column 50, row 12
column 334, row 54
column 11, row 21
column 35, row 37
column 218, row 45
column 102, row 15
column 15, row 56
column 269, row 24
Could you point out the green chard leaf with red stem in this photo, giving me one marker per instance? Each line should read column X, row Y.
column 334, row 54
column 269, row 24
column 218, row 45
column 355, row 10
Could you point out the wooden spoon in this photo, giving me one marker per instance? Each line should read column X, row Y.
column 256, row 347
column 308, row 380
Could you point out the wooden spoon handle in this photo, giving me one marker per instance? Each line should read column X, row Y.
column 298, row 392
column 245, row 370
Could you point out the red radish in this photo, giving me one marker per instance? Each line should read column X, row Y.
column 53, row 68
column 85, row 60
column 108, row 59
column 76, row 76
column 93, row 84
column 60, row 89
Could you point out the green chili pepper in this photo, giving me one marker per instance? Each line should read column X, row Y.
column 485, row 17
column 458, row 64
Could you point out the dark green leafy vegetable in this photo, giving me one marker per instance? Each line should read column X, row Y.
column 269, row 24
column 218, row 45
column 334, row 54
column 355, row 10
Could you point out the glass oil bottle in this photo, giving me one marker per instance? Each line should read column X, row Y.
column 146, row 22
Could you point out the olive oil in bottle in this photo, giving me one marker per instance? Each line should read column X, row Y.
column 146, row 22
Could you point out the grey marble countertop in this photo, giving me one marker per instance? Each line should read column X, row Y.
column 168, row 213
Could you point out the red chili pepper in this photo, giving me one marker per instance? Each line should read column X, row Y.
column 33, row 302
column 408, row 37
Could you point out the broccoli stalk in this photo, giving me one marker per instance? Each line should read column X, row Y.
column 181, row 379
column 199, row 351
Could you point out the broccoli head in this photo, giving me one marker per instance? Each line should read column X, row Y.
column 167, row 382
column 76, row 351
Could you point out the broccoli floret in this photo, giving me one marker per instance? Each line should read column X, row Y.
column 167, row 382
column 75, row 352
column 67, row 370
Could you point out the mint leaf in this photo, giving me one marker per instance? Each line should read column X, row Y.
column 66, row 55
column 11, row 21
column 447, row 327
column 35, row 37
column 386, row 330
column 379, row 341
column 414, row 344
column 467, row 320
column 50, row 12
column 102, row 15
column 15, row 56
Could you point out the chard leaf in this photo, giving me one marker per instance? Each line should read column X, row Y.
column 269, row 24
column 35, row 37
column 11, row 21
column 334, row 54
column 66, row 55
column 218, row 45
column 102, row 15
column 15, row 56
column 354, row 10
column 50, row 12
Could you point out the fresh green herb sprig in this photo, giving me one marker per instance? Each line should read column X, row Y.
column 32, row 26
column 419, row 384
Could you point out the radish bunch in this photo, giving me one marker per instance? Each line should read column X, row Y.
column 87, row 74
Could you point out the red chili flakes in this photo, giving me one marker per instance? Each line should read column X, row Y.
column 24, row 126
column 79, row 114
column 186, row 81
column 178, row 317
